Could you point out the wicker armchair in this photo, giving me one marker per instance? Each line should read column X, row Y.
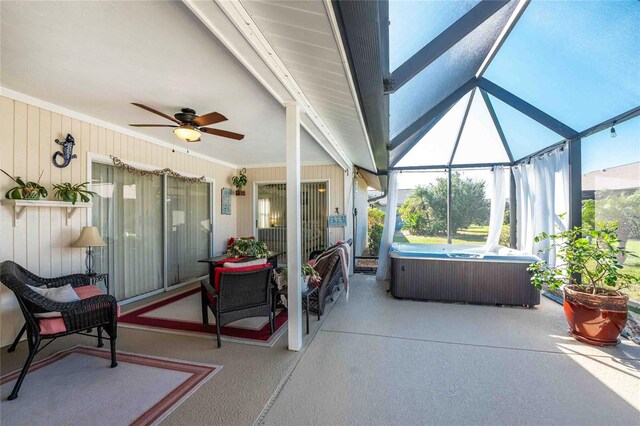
column 100, row 312
column 238, row 293
column 330, row 272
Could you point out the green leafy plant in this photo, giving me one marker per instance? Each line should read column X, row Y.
column 240, row 181
column 247, row 247
column 591, row 253
column 25, row 190
column 68, row 192
column 306, row 270
column 375, row 219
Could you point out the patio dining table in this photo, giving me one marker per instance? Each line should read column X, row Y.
column 218, row 261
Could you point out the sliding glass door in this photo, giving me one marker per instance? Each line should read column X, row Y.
column 128, row 212
column 156, row 229
column 188, row 230
column 271, row 216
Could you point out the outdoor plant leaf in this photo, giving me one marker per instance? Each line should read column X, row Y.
column 69, row 192
column 25, row 190
column 591, row 253
column 246, row 247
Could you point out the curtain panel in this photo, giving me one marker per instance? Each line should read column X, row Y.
column 384, row 261
column 542, row 195
column 498, row 199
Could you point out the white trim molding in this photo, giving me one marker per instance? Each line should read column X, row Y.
column 236, row 12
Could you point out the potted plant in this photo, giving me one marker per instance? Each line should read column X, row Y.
column 308, row 275
column 248, row 247
column 595, row 308
column 240, row 182
column 68, row 192
column 25, row 190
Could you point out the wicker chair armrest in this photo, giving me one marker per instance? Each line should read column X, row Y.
column 76, row 280
column 91, row 312
column 208, row 288
column 51, row 306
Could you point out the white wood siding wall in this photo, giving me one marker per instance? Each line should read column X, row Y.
column 333, row 173
column 41, row 239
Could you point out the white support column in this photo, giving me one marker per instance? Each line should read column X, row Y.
column 294, row 227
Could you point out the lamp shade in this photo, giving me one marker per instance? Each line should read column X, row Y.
column 89, row 237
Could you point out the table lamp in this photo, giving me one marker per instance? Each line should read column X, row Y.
column 89, row 238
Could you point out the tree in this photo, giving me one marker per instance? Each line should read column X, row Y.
column 425, row 212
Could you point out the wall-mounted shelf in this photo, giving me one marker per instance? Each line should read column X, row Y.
column 20, row 206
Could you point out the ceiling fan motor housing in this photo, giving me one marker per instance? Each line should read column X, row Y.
column 186, row 116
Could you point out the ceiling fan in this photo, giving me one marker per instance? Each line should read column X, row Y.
column 190, row 125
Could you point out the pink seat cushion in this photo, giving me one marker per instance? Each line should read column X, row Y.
column 56, row 325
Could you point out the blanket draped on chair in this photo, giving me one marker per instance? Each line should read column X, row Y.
column 344, row 251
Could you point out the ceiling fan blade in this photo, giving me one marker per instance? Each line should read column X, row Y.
column 223, row 133
column 161, row 114
column 152, row 125
column 211, row 118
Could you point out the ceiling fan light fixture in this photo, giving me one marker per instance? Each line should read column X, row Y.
column 187, row 133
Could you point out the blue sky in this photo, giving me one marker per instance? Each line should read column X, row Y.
column 578, row 61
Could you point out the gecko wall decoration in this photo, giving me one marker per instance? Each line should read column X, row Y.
column 67, row 151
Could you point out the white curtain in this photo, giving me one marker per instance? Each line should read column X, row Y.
column 384, row 262
column 498, row 200
column 188, row 229
column 128, row 213
column 542, row 197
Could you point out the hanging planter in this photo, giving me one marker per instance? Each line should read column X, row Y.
column 240, row 182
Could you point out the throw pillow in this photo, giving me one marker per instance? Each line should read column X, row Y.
column 63, row 294
column 244, row 264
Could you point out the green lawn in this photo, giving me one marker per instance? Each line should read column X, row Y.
column 472, row 235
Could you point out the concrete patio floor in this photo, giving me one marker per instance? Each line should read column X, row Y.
column 379, row 360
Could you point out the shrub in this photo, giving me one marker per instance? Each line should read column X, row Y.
column 375, row 220
column 375, row 237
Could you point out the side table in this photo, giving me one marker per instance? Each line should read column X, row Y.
column 96, row 278
column 305, row 300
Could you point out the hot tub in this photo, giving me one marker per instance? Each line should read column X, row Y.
column 462, row 273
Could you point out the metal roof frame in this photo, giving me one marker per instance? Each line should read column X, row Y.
column 444, row 41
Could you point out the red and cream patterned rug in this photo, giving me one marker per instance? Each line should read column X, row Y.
column 182, row 314
column 77, row 386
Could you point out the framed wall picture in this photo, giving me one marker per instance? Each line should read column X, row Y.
column 225, row 205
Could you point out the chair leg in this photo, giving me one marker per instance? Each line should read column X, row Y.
column 100, row 344
column 203, row 302
column 272, row 320
column 114, row 363
column 218, row 326
column 32, row 353
column 12, row 348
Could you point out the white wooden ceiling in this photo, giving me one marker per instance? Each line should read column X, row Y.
column 97, row 57
column 301, row 35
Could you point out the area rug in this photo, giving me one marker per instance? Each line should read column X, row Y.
column 182, row 314
column 77, row 387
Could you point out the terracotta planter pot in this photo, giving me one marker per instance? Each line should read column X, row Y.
column 595, row 319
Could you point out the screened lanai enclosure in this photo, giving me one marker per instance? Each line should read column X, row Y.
column 536, row 100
